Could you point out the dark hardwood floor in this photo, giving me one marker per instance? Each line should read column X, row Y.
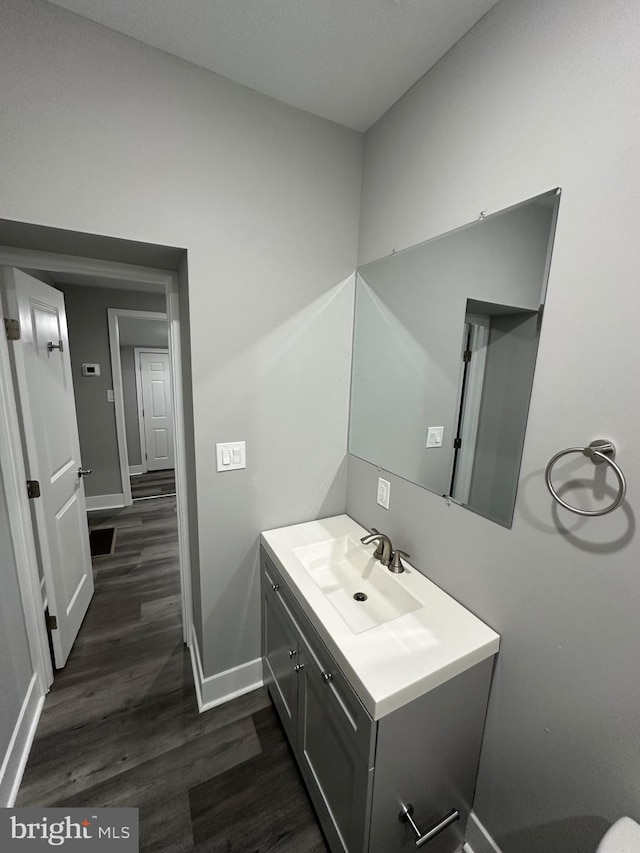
column 120, row 726
column 153, row 484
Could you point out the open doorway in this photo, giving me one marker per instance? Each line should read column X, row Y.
column 80, row 272
column 143, row 400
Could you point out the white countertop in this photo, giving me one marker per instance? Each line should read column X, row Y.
column 390, row 664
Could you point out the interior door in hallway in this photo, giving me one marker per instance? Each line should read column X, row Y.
column 46, row 404
column 157, row 410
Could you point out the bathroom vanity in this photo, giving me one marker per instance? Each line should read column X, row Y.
column 382, row 696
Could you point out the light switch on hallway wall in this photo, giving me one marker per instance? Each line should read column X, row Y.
column 231, row 455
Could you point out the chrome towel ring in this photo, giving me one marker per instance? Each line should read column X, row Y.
column 598, row 451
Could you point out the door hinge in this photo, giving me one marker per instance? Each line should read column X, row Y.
column 466, row 355
column 52, row 623
column 457, row 443
column 12, row 328
column 33, row 489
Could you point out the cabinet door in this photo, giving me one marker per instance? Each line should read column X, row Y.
column 280, row 656
column 335, row 767
column 427, row 754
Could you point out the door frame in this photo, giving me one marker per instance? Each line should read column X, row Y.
column 14, row 468
column 114, row 315
column 139, row 400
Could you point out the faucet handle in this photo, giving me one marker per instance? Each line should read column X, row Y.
column 396, row 563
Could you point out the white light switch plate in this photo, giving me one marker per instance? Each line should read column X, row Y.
column 434, row 436
column 384, row 490
column 231, row 455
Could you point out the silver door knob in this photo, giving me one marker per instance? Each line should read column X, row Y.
column 298, row 667
column 292, row 652
column 84, row 472
column 327, row 677
column 275, row 587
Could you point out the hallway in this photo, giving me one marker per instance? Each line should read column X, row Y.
column 120, row 726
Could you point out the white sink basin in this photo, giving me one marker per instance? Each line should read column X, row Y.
column 407, row 638
column 363, row 591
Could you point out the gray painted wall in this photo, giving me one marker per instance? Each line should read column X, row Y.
column 89, row 342
column 538, row 95
column 105, row 135
column 15, row 661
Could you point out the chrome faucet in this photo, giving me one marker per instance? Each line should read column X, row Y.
column 384, row 550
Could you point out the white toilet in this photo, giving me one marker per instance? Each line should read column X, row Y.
column 622, row 837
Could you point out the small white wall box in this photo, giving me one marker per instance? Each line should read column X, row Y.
column 91, row 370
column 434, row 436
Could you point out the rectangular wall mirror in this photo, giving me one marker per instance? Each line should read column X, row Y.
column 445, row 342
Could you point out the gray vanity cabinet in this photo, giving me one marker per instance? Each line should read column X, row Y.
column 330, row 731
column 359, row 771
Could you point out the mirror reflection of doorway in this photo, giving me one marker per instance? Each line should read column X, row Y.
column 474, row 356
column 498, row 360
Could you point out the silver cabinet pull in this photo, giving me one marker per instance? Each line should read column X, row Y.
column 84, row 472
column 327, row 677
column 275, row 587
column 51, row 346
column 298, row 667
column 292, row 653
column 406, row 817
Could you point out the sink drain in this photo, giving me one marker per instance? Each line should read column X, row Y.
column 360, row 596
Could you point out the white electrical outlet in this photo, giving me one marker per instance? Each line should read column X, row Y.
column 384, row 489
column 434, row 436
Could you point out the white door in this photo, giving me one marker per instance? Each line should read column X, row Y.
column 47, row 407
column 157, row 413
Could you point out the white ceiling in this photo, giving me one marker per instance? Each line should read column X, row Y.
column 344, row 60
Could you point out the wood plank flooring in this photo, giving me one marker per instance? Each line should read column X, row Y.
column 153, row 484
column 120, row 726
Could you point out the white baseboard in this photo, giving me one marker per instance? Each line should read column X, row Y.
column 105, row 502
column 224, row 686
column 135, row 470
column 15, row 759
column 478, row 839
